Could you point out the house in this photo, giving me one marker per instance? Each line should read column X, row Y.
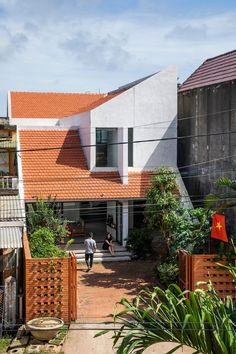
column 206, row 124
column 96, row 153
column 11, row 228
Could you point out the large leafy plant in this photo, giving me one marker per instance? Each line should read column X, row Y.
column 201, row 321
column 193, row 230
column 180, row 227
column 46, row 214
column 139, row 242
column 42, row 244
column 163, row 203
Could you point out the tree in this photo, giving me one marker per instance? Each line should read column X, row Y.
column 163, row 203
column 201, row 321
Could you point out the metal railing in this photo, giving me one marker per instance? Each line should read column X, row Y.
column 8, row 183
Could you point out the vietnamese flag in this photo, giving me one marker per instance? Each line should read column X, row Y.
column 218, row 229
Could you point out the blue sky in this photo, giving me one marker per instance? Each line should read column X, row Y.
column 98, row 45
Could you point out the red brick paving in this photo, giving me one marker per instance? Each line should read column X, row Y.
column 101, row 288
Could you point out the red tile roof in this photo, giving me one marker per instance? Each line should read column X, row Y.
column 53, row 105
column 63, row 172
column 214, row 70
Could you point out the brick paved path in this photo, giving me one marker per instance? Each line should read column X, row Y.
column 107, row 283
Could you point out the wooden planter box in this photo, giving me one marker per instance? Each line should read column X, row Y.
column 50, row 286
column 203, row 268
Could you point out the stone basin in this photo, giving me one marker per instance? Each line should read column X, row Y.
column 44, row 328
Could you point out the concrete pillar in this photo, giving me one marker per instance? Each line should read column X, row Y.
column 92, row 152
column 125, row 222
column 123, row 154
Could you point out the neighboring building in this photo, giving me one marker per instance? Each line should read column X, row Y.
column 207, row 107
column 98, row 150
column 11, row 227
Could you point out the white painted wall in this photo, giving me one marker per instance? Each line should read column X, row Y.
column 150, row 108
column 70, row 121
column 37, row 122
column 20, row 176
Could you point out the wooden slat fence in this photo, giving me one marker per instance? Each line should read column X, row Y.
column 50, row 286
column 203, row 268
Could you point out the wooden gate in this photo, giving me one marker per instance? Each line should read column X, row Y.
column 73, row 287
column 184, row 270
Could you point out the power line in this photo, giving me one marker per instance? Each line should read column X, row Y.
column 61, row 128
column 122, row 142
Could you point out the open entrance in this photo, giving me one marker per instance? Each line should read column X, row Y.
column 94, row 215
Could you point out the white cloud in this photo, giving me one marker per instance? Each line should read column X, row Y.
column 72, row 45
column 10, row 43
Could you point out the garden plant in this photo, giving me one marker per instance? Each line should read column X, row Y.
column 200, row 320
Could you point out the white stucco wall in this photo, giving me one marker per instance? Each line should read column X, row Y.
column 37, row 122
column 70, row 121
column 150, row 108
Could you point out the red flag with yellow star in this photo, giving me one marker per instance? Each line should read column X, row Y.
column 218, row 229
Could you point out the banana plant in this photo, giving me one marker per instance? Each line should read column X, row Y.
column 200, row 320
column 221, row 202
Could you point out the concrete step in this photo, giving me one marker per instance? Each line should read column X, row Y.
column 77, row 249
column 107, row 259
column 104, row 254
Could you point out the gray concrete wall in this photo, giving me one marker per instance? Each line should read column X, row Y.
column 206, row 111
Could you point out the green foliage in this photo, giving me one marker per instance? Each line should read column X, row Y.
column 192, row 231
column 181, row 228
column 167, row 272
column 221, row 202
column 139, row 242
column 46, row 214
column 4, row 344
column 42, row 244
column 163, row 203
column 201, row 321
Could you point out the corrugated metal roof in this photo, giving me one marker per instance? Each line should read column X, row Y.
column 10, row 237
column 214, row 70
column 11, row 208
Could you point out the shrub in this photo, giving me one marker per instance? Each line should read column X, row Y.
column 139, row 242
column 167, row 272
column 42, row 244
column 201, row 321
column 46, row 214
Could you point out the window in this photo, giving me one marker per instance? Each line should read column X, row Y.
column 106, row 147
column 130, row 147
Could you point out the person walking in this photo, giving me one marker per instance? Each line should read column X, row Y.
column 90, row 248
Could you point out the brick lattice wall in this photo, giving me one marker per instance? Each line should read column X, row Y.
column 204, row 268
column 50, row 286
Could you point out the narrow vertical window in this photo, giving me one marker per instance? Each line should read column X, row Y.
column 106, row 147
column 130, row 147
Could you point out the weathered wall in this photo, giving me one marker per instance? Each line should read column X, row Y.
column 206, row 110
